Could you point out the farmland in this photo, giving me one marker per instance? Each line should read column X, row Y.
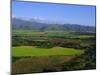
column 51, row 51
column 32, row 51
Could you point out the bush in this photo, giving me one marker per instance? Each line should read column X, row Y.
column 45, row 44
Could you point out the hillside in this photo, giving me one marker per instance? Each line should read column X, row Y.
column 37, row 25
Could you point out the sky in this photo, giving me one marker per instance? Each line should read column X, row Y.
column 64, row 13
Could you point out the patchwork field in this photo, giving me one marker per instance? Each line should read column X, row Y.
column 51, row 51
column 33, row 51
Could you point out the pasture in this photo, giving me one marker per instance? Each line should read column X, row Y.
column 33, row 51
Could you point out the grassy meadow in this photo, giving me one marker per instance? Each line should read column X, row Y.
column 32, row 51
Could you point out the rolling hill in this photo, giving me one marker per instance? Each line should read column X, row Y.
column 37, row 25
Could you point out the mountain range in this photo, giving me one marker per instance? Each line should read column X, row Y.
column 38, row 25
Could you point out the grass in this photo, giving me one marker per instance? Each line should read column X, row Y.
column 37, row 34
column 33, row 51
column 86, row 36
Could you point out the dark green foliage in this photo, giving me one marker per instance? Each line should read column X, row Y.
column 44, row 44
column 90, row 57
column 48, row 43
column 73, row 65
column 85, row 61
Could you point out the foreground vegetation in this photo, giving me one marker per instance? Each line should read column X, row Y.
column 52, row 51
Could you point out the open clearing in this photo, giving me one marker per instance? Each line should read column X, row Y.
column 33, row 51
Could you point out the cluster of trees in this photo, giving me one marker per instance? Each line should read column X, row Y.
column 86, row 61
column 20, row 41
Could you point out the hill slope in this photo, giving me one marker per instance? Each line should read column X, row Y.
column 40, row 26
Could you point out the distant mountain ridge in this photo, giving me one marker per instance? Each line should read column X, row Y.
column 18, row 23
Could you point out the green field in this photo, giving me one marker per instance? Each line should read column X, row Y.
column 33, row 51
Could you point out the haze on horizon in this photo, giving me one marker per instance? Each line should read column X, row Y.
column 65, row 13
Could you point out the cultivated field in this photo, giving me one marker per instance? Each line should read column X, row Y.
column 33, row 51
